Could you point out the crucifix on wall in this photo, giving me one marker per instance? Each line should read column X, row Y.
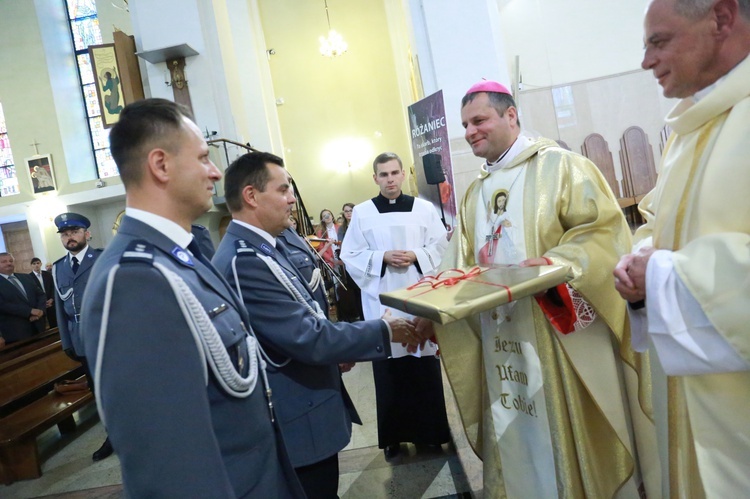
column 178, row 82
column 174, row 58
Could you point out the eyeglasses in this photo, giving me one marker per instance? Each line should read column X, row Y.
column 347, row 211
column 70, row 232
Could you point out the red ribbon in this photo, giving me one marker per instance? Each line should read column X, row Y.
column 437, row 281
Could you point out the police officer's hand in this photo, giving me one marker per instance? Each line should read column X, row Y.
column 402, row 330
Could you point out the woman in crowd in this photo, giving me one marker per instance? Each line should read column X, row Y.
column 295, row 225
column 349, row 302
column 327, row 250
column 327, row 230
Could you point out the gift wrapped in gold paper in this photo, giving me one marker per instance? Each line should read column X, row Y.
column 459, row 293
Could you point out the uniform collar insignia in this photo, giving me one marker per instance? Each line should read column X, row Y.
column 182, row 256
column 266, row 249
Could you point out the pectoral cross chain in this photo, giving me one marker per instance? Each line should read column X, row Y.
column 491, row 242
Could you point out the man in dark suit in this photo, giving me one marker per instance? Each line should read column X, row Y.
column 314, row 410
column 71, row 273
column 157, row 312
column 21, row 303
column 45, row 281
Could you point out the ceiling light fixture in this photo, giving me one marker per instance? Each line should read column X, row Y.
column 334, row 44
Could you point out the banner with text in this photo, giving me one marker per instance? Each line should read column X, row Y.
column 432, row 156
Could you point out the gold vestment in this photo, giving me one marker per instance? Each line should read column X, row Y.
column 700, row 209
column 572, row 218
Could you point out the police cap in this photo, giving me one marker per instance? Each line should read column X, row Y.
column 65, row 221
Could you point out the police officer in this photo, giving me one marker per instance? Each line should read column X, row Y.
column 71, row 273
column 182, row 389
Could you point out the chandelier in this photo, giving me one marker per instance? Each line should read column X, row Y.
column 334, row 43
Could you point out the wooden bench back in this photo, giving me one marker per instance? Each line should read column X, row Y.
column 637, row 158
column 32, row 375
column 19, row 348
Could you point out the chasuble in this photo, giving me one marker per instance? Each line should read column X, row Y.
column 551, row 414
column 700, row 210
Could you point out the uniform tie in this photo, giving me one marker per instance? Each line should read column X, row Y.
column 198, row 254
column 75, row 264
column 281, row 248
column 12, row 278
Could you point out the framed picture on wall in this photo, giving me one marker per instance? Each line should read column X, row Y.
column 107, row 79
column 41, row 173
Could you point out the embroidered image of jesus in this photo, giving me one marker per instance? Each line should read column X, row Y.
column 498, row 237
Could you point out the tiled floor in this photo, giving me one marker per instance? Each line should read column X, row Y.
column 69, row 472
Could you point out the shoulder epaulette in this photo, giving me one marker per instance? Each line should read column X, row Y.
column 242, row 248
column 138, row 251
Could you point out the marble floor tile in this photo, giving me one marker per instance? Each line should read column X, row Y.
column 413, row 474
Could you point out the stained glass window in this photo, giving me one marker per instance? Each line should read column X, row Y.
column 85, row 32
column 84, row 66
column 81, row 8
column 99, row 134
column 84, row 29
column 8, row 179
column 92, row 103
column 107, row 166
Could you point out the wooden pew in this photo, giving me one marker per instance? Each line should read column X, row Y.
column 638, row 170
column 597, row 150
column 29, row 406
column 9, row 352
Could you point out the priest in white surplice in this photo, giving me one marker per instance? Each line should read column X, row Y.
column 392, row 241
column 547, row 386
column 688, row 279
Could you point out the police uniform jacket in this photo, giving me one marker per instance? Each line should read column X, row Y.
column 308, row 390
column 176, row 433
column 69, row 289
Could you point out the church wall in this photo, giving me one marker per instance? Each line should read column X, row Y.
column 41, row 96
column 607, row 106
column 458, row 44
column 594, row 48
column 589, row 48
column 563, row 42
column 189, row 22
column 26, row 95
column 334, row 115
column 248, row 76
column 337, row 114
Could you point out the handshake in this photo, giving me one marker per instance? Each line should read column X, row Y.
column 411, row 333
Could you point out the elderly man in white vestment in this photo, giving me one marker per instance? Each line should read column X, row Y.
column 687, row 279
column 547, row 385
column 392, row 241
